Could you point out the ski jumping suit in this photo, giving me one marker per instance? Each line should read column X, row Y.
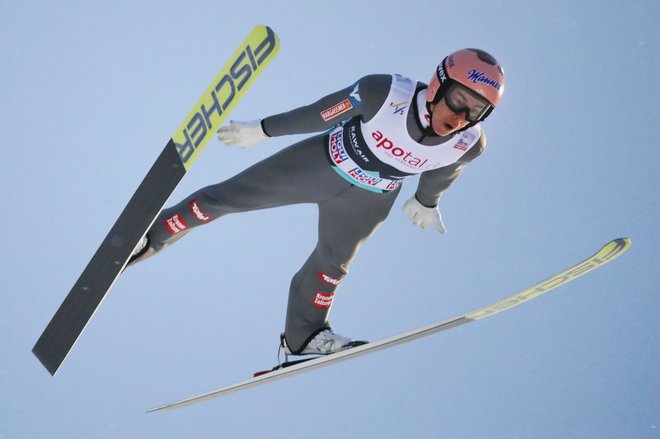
column 377, row 134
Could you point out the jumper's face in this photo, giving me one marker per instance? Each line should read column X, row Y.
column 458, row 107
column 445, row 121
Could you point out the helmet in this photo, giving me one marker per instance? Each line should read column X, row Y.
column 473, row 69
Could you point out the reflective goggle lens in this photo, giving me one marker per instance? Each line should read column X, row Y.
column 461, row 99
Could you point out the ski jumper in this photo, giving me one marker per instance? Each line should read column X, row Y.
column 376, row 134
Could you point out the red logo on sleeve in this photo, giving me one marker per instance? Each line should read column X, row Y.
column 328, row 279
column 175, row 224
column 197, row 211
column 323, row 300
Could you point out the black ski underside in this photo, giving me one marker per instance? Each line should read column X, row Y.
column 88, row 292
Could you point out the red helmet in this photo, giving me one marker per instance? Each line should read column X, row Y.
column 473, row 69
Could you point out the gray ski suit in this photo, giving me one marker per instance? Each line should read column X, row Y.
column 376, row 134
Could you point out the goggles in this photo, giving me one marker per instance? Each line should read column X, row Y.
column 461, row 99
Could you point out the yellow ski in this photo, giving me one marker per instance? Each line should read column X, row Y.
column 609, row 252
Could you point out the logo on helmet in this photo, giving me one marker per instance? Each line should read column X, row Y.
column 480, row 77
column 441, row 73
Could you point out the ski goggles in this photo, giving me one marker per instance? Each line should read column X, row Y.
column 461, row 99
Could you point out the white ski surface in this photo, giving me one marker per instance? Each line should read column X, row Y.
column 610, row 251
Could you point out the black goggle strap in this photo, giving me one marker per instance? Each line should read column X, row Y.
column 442, row 78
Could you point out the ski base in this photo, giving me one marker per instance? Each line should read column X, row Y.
column 109, row 260
column 606, row 254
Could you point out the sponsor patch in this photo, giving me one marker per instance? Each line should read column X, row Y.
column 464, row 142
column 360, row 175
column 323, row 300
column 328, row 279
column 175, row 224
column 337, row 150
column 398, row 153
column 336, row 110
column 399, row 108
column 197, row 211
column 393, row 185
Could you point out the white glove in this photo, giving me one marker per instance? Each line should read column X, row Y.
column 243, row 134
column 423, row 216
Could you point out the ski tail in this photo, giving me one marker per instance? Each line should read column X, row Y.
column 178, row 155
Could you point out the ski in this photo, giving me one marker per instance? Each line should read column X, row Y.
column 609, row 252
column 179, row 154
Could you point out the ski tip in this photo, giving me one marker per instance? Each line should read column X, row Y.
column 618, row 245
column 268, row 31
column 627, row 241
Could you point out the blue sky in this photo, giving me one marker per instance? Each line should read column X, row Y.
column 91, row 93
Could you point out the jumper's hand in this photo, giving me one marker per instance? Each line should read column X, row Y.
column 423, row 216
column 243, row 134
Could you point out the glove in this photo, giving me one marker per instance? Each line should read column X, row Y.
column 423, row 216
column 243, row 134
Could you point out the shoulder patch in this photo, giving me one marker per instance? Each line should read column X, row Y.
column 354, row 95
column 336, row 110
